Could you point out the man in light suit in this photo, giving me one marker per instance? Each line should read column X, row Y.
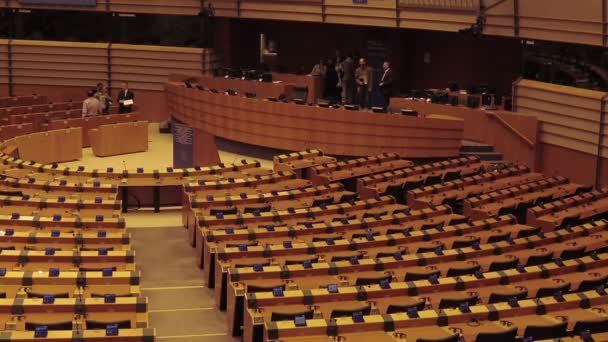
column 125, row 99
column 386, row 84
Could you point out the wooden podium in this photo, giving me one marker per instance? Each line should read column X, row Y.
column 120, row 138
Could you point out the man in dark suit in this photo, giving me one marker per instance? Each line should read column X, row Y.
column 386, row 84
column 125, row 99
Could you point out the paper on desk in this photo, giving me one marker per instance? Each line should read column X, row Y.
column 128, row 102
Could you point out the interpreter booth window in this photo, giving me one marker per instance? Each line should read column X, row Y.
column 566, row 64
column 101, row 27
column 269, row 54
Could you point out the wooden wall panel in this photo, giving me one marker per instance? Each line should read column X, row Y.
column 447, row 15
column 294, row 127
column 579, row 167
column 3, row 66
column 563, row 20
column 225, row 8
column 488, row 127
column 569, row 117
column 296, row 10
column 59, row 63
column 148, row 67
column 175, row 7
column 101, row 6
column 500, row 19
column 374, row 13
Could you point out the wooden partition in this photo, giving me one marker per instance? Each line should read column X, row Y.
column 300, row 10
column 49, row 147
column 513, row 135
column 289, row 126
column 447, row 15
column 369, row 13
column 4, row 67
column 572, row 128
column 559, row 20
column 59, row 63
column 66, row 70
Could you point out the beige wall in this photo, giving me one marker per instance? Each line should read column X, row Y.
column 65, row 70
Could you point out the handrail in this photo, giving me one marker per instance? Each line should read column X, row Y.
column 511, row 128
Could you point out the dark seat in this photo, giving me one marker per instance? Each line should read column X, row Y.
column 264, row 264
column 551, row 291
column 594, row 327
column 456, row 221
column 570, row 221
column 31, row 326
column 102, row 325
column 454, row 303
column 499, row 336
column 508, row 211
column 348, row 197
column 453, row 338
column 465, row 243
column 454, row 203
column 282, row 316
column 372, row 281
column 528, row 232
column 535, row 260
column 501, row 298
column 543, row 200
column 430, row 249
column 496, row 266
column 225, row 211
column 386, row 254
column 522, row 211
column 432, row 180
column 337, row 258
column 383, row 213
column 95, row 269
column 407, row 186
column 298, row 262
column 261, row 209
column 362, row 235
column 122, row 295
column 432, row 226
column 2, row 294
column 573, row 253
column 457, row 272
column 499, row 237
column 587, row 285
column 349, row 313
column 322, row 201
column 259, row 288
column 451, row 175
column 546, row 332
column 413, row 276
column 394, row 308
column 41, row 295
column 396, row 191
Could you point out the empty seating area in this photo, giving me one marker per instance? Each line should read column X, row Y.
column 313, row 249
column 384, row 249
column 67, row 267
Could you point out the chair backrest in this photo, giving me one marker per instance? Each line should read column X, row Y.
column 594, row 327
column 404, row 308
column 413, row 276
column 102, row 325
column 31, row 326
column 501, row 336
column 453, row 338
column 282, row 316
column 349, row 313
column 454, row 303
column 371, row 281
column 546, row 332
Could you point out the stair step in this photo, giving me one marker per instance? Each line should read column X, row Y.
column 485, row 156
column 475, row 147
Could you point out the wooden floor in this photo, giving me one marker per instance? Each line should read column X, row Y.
column 181, row 308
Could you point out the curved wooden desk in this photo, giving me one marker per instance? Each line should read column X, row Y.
column 289, row 126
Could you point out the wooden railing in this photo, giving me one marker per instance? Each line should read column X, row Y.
column 511, row 129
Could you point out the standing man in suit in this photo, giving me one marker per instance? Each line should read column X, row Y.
column 348, row 79
column 363, row 77
column 386, row 84
column 125, row 99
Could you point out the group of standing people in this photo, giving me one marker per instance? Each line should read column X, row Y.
column 346, row 83
column 99, row 102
